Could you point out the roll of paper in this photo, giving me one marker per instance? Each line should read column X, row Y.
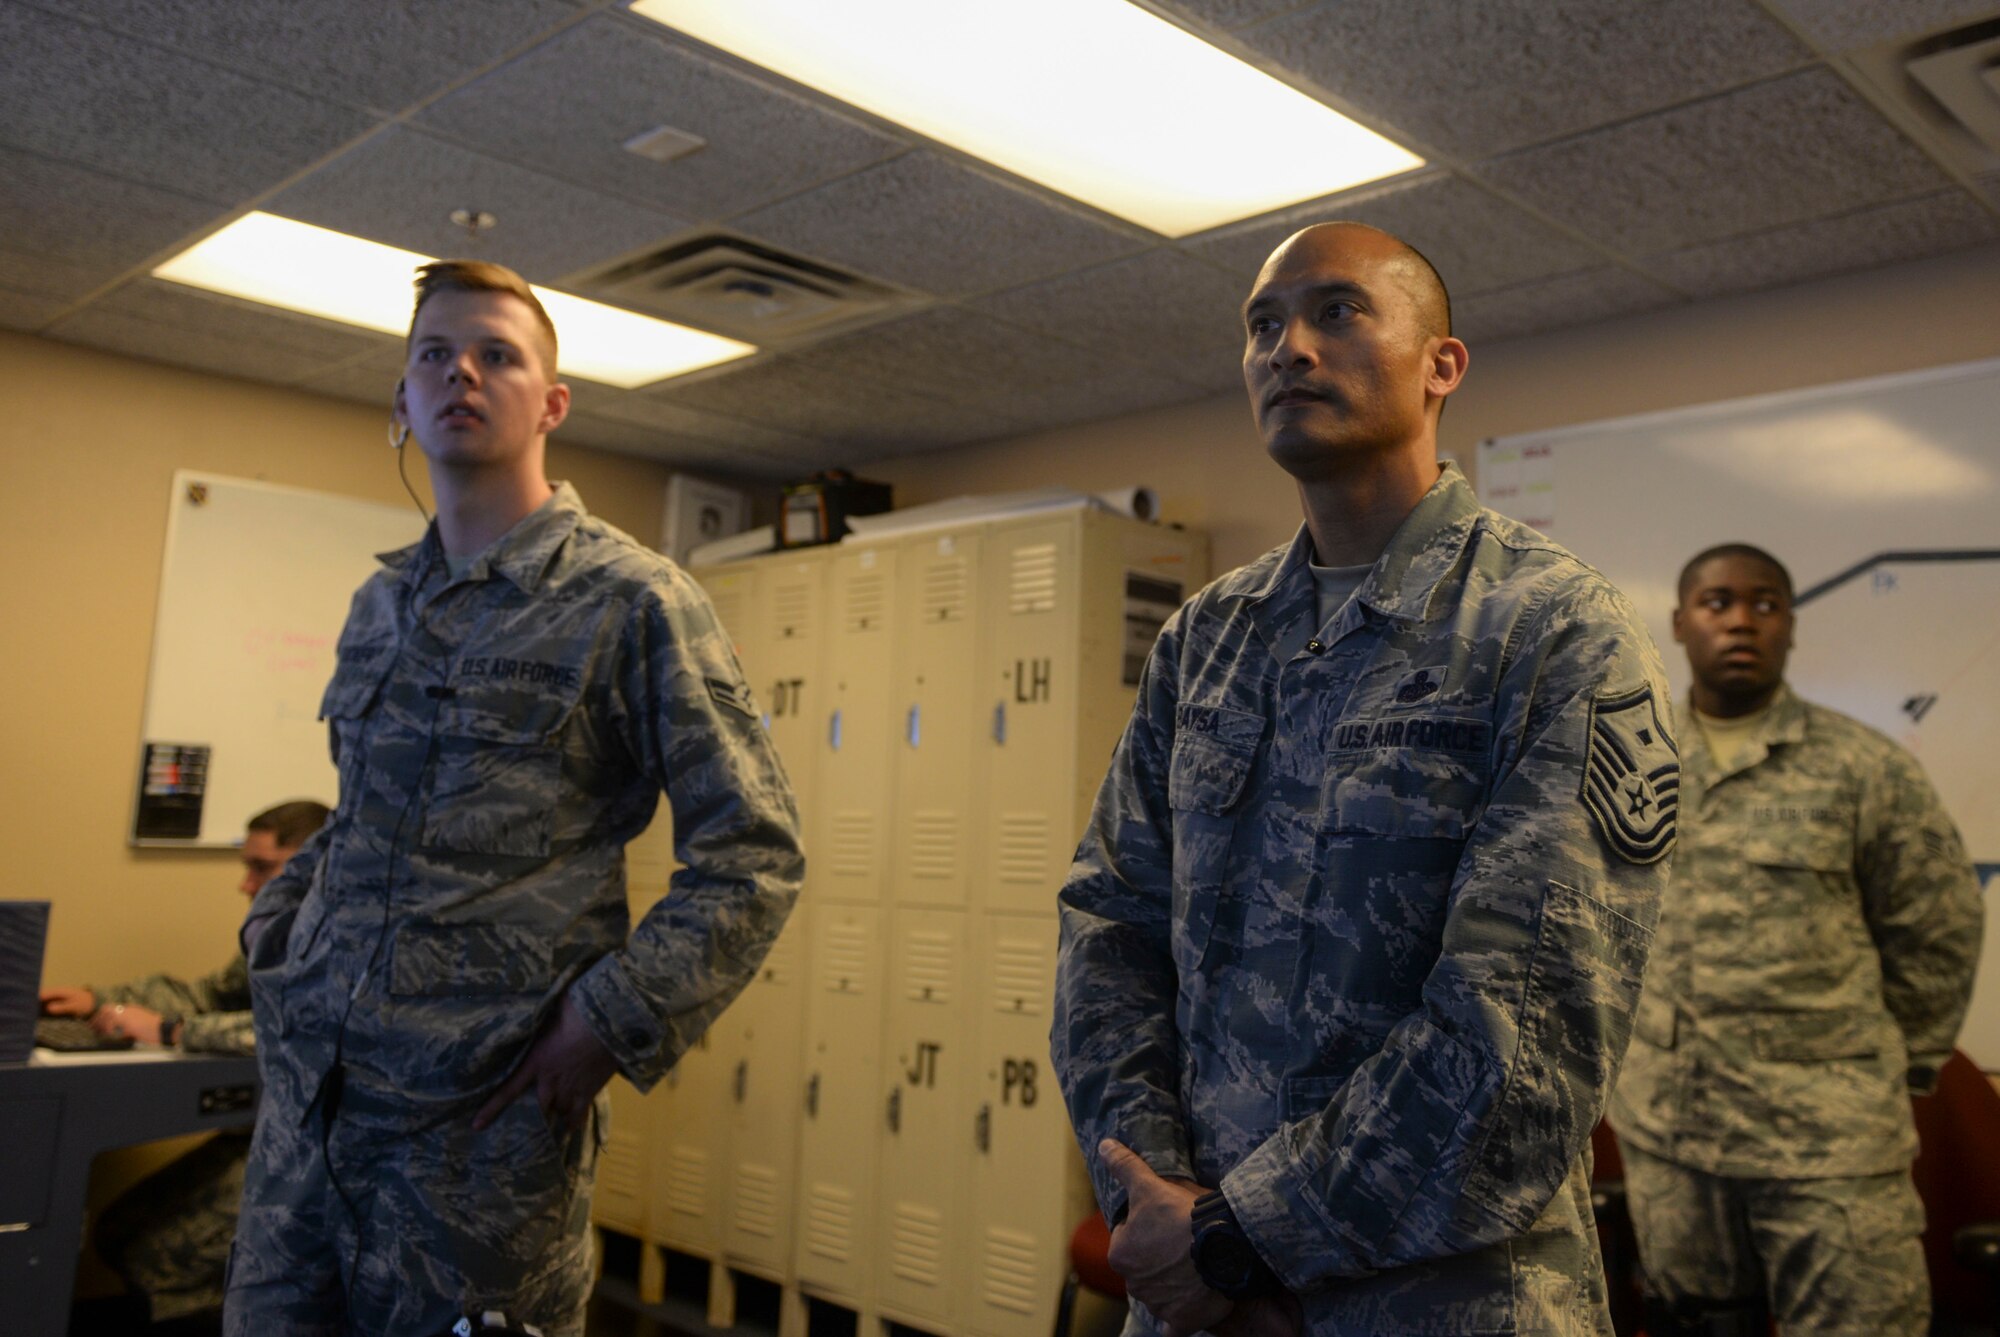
column 1138, row 501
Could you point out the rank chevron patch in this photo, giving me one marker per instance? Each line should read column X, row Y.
column 1632, row 778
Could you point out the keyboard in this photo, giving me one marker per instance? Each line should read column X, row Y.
column 73, row 1035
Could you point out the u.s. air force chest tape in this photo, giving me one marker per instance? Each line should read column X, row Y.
column 1632, row 777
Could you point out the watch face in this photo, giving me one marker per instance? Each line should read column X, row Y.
column 1226, row 1261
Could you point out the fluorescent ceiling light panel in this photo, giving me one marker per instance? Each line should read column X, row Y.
column 1096, row 99
column 329, row 274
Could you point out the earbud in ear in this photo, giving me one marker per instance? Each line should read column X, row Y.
column 398, row 434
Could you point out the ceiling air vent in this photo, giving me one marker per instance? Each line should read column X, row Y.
column 734, row 286
column 1944, row 90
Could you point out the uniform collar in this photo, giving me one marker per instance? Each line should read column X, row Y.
column 522, row 554
column 1424, row 548
column 1784, row 722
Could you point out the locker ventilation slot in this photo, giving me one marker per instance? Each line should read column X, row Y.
column 927, row 967
column 844, row 959
column 853, row 852
column 782, row 962
column 756, row 1204
column 1024, row 847
column 791, row 612
column 944, row 591
column 687, row 1181
column 1008, row 1281
column 618, row 1172
column 867, row 596
column 934, row 844
column 1020, row 977
column 728, row 605
column 916, row 1250
column 1032, row 588
column 830, row 1222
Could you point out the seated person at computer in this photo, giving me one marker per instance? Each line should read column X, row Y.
column 168, row 1235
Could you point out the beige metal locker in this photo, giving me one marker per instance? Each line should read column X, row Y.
column 689, row 1149
column 624, row 1170
column 938, row 780
column 765, row 1027
column 850, row 824
column 920, row 1233
column 843, row 1103
column 1028, row 1184
column 1029, row 588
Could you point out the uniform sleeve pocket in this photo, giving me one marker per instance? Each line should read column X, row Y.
column 468, row 960
column 1815, row 1037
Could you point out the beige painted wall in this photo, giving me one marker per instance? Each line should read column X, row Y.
column 1208, row 465
column 90, row 442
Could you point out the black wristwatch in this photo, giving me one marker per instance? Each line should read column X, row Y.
column 170, row 1030
column 1228, row 1263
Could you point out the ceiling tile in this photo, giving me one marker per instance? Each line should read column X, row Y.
column 1107, row 393
column 937, row 226
column 117, row 332
column 1163, row 310
column 612, row 82
column 651, row 409
column 369, row 379
column 1476, row 79
column 1777, row 153
column 401, row 187
column 1838, row 25
column 1548, row 304
column 866, row 419
column 1226, row 14
column 27, row 310
column 1476, row 240
column 65, row 230
column 382, row 55
column 1905, row 230
column 210, row 315
column 73, row 91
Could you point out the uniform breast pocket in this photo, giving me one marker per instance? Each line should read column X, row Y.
column 496, row 775
column 349, row 699
column 1215, row 751
column 1404, row 794
column 1804, row 869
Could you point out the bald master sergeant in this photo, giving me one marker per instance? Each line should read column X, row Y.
column 1352, row 944
column 446, row 976
column 1815, row 959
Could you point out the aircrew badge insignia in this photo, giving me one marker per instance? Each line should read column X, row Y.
column 1416, row 686
column 1632, row 778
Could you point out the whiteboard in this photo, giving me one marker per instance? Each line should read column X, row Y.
column 1882, row 496
column 254, row 589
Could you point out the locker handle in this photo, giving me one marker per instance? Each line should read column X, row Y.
column 1000, row 723
column 896, row 1110
column 742, row 1079
column 812, row 1097
column 915, row 725
column 833, row 731
column 982, row 1128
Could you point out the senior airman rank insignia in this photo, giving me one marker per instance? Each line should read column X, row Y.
column 1632, row 778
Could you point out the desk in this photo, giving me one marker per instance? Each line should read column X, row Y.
column 57, row 1112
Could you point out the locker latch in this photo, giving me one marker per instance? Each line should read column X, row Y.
column 915, row 725
column 742, row 1079
column 812, row 1097
column 982, row 1128
column 896, row 1110
column 1000, row 723
column 833, row 732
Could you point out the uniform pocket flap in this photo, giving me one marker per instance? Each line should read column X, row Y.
column 457, row 960
column 356, row 676
column 1807, row 1037
column 1214, row 751
column 1823, row 849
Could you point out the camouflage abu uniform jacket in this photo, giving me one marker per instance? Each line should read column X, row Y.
column 214, row 1009
column 500, row 737
column 1817, row 945
column 1348, row 936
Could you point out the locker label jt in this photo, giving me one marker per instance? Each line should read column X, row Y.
column 924, row 1071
